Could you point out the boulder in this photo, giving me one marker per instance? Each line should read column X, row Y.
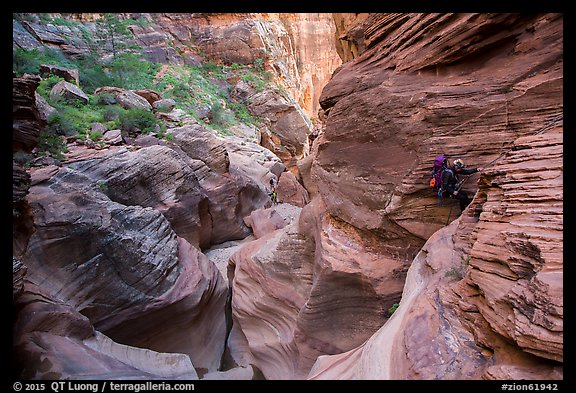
column 149, row 95
column 69, row 92
column 164, row 105
column 128, row 99
column 291, row 191
column 67, row 74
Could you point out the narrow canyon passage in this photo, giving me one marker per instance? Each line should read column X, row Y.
column 146, row 244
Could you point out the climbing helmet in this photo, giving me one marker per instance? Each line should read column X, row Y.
column 459, row 163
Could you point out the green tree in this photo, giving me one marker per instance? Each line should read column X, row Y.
column 113, row 33
column 130, row 71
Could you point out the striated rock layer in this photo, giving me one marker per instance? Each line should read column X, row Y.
column 416, row 85
column 26, row 120
column 444, row 82
column 27, row 123
column 483, row 299
column 421, row 85
column 54, row 341
column 132, row 273
column 315, row 286
column 395, row 108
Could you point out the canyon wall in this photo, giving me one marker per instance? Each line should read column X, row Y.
column 417, row 86
column 313, row 296
column 298, row 48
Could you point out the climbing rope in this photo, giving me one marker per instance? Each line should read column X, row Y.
column 461, row 182
column 540, row 131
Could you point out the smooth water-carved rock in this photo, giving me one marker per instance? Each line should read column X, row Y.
column 133, row 269
column 54, row 341
column 423, row 85
column 314, row 287
column 483, row 299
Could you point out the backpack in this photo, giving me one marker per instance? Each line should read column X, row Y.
column 437, row 170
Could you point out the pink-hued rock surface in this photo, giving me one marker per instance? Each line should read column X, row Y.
column 483, row 299
column 486, row 88
column 109, row 264
column 54, row 341
column 296, row 290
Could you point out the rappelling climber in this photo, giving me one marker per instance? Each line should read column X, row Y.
column 451, row 182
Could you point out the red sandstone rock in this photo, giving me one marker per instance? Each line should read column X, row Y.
column 291, row 191
column 264, row 221
column 484, row 294
column 471, row 86
column 305, row 285
column 26, row 120
column 54, row 341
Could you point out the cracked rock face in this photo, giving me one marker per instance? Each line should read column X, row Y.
column 116, row 241
column 483, row 299
column 486, row 88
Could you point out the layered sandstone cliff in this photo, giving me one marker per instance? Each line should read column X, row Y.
column 299, row 48
column 483, row 299
column 296, row 49
column 480, row 294
column 421, row 85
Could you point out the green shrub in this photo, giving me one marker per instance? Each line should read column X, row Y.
column 242, row 113
column 180, row 92
column 168, row 80
column 131, row 71
column 64, row 22
column 209, row 67
column 220, row 117
column 95, row 135
column 112, row 124
column 61, row 124
column 141, row 21
column 137, row 118
column 259, row 64
column 92, row 75
column 26, row 62
column 112, row 113
column 393, row 308
column 46, row 85
column 70, row 120
column 106, row 99
column 260, row 83
column 29, row 61
column 53, row 145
